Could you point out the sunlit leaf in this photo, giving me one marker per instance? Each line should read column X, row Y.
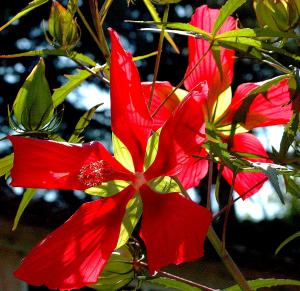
column 53, row 52
column 108, row 189
column 32, row 5
column 156, row 17
column 226, row 10
column 27, row 196
column 286, row 241
column 151, row 149
column 164, row 184
column 261, row 283
column 6, row 164
column 122, row 154
column 171, row 283
column 133, row 213
column 81, row 125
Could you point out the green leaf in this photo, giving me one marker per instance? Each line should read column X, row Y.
column 53, row 52
column 33, row 106
column 261, row 283
column 227, row 9
column 164, row 184
column 171, row 283
column 133, row 213
column 156, row 18
column 27, row 196
column 151, row 149
column 289, row 134
column 122, row 154
column 82, row 124
column 286, row 241
column 32, row 5
column 108, row 189
column 292, row 186
column 74, row 81
column 6, row 164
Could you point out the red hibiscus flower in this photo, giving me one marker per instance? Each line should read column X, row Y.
column 268, row 108
column 173, row 228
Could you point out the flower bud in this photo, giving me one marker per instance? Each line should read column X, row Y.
column 62, row 27
column 118, row 271
column 278, row 15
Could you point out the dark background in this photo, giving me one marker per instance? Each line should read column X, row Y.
column 251, row 244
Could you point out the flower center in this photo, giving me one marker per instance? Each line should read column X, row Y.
column 95, row 173
column 139, row 180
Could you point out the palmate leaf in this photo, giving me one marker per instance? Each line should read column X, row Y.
column 171, row 283
column 156, row 18
column 261, row 283
column 32, row 5
column 286, row 241
column 81, row 125
column 227, row 9
column 53, row 52
column 27, row 196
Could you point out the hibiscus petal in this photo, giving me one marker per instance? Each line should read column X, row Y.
column 207, row 70
column 161, row 92
column 130, row 119
column 173, row 228
column 57, row 165
column 192, row 172
column 247, row 184
column 271, row 108
column 74, row 254
column 181, row 136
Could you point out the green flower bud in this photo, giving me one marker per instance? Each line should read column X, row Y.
column 118, row 271
column 278, row 15
column 62, row 27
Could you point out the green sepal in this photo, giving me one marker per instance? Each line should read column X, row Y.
column 151, row 149
column 33, row 107
column 164, row 184
column 122, row 154
column 108, row 189
column 134, row 209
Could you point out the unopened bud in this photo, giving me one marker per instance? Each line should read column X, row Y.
column 62, row 27
column 278, row 15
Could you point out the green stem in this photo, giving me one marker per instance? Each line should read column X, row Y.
column 159, row 51
column 210, row 176
column 227, row 260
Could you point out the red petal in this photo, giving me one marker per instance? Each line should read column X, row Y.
column 247, row 184
column 173, row 228
column 130, row 119
column 74, row 255
column 161, row 91
column 207, row 70
column 56, row 165
column 267, row 109
column 193, row 171
column 181, row 136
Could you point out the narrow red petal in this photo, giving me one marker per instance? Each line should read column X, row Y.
column 207, row 70
column 194, row 170
column 130, row 119
column 181, row 136
column 161, row 91
column 74, row 255
column 247, row 184
column 56, row 165
column 173, row 228
column 272, row 108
